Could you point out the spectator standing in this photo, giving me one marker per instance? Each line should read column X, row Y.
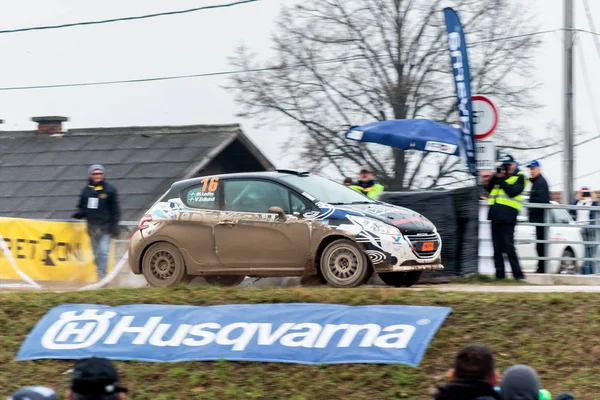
column 539, row 194
column 95, row 378
column 586, row 197
column 506, row 199
column 367, row 184
column 473, row 377
column 34, row 393
column 99, row 205
column 485, row 177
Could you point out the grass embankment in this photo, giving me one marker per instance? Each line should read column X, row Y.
column 557, row 334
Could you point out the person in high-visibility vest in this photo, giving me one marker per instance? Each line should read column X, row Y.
column 505, row 200
column 367, row 184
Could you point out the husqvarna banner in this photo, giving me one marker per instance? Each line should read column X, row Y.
column 462, row 80
column 294, row 333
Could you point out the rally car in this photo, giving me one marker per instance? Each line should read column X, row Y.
column 279, row 223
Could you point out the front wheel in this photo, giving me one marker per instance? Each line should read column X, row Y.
column 345, row 265
column 401, row 279
column 163, row 266
column 568, row 267
column 224, row 280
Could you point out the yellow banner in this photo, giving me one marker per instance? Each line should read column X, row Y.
column 49, row 251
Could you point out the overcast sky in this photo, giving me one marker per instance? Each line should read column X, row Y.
column 201, row 42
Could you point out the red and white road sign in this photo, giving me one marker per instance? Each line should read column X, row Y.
column 485, row 117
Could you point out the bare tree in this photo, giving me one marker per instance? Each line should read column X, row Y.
column 341, row 63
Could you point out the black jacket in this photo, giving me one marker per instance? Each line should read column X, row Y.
column 500, row 213
column 540, row 193
column 467, row 389
column 99, row 205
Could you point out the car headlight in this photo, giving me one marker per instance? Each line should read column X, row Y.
column 375, row 226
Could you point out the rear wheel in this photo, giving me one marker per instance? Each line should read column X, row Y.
column 163, row 266
column 568, row 267
column 224, row 280
column 401, row 279
column 345, row 265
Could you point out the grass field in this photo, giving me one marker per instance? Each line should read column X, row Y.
column 557, row 334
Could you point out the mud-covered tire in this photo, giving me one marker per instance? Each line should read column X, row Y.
column 345, row 265
column 163, row 266
column 224, row 280
column 401, row 279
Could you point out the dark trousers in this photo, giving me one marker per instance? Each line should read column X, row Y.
column 541, row 248
column 503, row 237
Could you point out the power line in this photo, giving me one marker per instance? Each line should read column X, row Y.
column 107, row 21
column 588, row 13
column 224, row 73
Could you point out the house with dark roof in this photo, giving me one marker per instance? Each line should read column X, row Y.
column 42, row 172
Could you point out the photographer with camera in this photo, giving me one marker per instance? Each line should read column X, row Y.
column 585, row 197
column 506, row 199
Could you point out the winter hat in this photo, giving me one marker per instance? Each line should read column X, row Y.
column 95, row 167
column 34, row 393
column 565, row 396
column 520, row 382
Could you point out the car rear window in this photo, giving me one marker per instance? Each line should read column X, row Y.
column 204, row 195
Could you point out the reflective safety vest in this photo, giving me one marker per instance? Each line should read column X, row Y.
column 499, row 196
column 372, row 192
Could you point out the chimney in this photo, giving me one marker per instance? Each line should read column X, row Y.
column 49, row 125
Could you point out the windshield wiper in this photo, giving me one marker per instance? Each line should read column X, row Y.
column 363, row 202
column 353, row 202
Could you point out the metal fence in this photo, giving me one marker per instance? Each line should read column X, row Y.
column 562, row 219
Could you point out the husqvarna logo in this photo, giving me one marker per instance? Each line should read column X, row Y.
column 91, row 327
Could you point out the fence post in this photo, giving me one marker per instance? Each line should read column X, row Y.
column 546, row 230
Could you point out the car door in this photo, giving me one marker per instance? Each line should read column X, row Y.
column 248, row 236
column 194, row 225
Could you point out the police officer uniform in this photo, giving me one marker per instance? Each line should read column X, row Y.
column 505, row 201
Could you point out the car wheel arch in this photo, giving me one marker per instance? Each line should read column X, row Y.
column 160, row 240
column 326, row 241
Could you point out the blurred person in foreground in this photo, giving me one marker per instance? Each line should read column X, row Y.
column 367, row 184
column 473, row 377
column 539, row 194
column 586, row 197
column 506, row 188
column 34, row 393
column 99, row 205
column 521, row 382
column 95, row 379
column 565, row 396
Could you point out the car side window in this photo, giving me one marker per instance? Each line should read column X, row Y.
column 298, row 205
column 560, row 217
column 255, row 196
column 204, row 195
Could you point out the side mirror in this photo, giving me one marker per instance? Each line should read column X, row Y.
column 279, row 211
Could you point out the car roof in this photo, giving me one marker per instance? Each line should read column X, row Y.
column 272, row 175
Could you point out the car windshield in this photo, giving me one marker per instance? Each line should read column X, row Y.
column 326, row 190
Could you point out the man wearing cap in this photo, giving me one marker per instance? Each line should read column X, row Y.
column 95, row 378
column 99, row 205
column 506, row 199
column 540, row 194
column 367, row 185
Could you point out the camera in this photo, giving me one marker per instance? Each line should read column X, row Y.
column 501, row 169
column 586, row 194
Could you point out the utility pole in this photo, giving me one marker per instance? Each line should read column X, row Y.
column 568, row 177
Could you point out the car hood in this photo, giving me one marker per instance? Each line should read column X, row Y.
column 408, row 221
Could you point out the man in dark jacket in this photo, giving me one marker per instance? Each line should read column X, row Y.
column 473, row 377
column 99, row 205
column 540, row 194
column 506, row 199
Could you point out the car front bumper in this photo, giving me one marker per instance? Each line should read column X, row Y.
column 393, row 254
